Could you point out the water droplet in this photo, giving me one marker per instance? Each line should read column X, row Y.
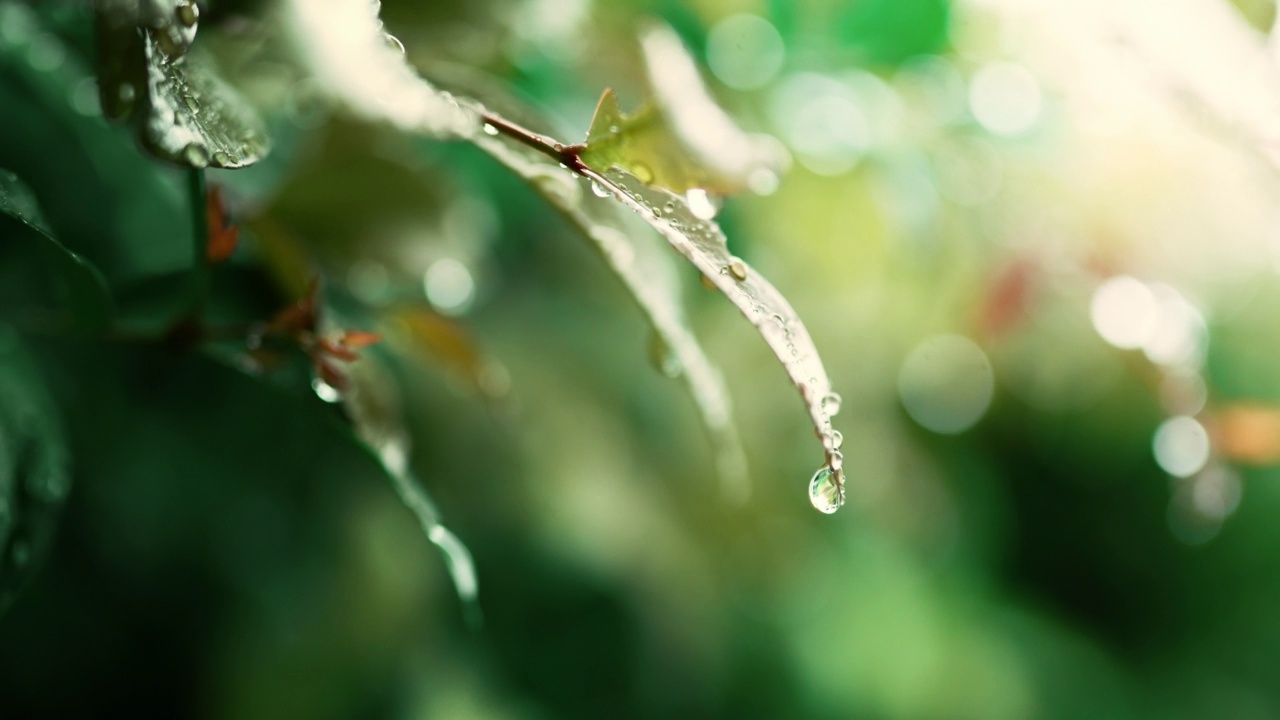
column 196, row 155
column 187, row 12
column 126, row 93
column 614, row 129
column 489, row 129
column 643, row 173
column 325, row 391
column 191, row 104
column 599, row 190
column 738, row 269
column 221, row 159
column 393, row 42
column 825, row 490
column 657, row 211
column 661, row 357
column 837, row 439
column 830, row 402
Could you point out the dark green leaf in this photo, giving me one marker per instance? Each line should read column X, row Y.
column 40, row 278
column 34, row 467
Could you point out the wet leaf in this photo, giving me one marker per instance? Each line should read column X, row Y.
column 372, row 400
column 650, row 275
column 34, row 467
column 703, row 243
column 555, row 170
column 644, row 145
column 149, row 73
column 39, row 277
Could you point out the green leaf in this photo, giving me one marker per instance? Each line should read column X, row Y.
column 150, row 73
column 34, row 467
column 704, row 244
column 684, row 140
column 41, row 279
column 651, row 275
column 644, row 145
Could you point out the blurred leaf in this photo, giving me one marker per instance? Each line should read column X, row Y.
column 39, row 273
column 425, row 330
column 34, row 467
column 184, row 113
column 724, row 158
column 223, row 236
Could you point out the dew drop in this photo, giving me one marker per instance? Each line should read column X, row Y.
column 825, row 491
column 393, row 42
column 599, row 190
column 196, row 155
column 221, row 159
column 738, row 269
column 831, row 403
column 325, row 391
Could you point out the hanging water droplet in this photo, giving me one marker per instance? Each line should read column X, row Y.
column 196, row 155
column 738, row 269
column 325, row 391
column 837, row 439
column 830, row 402
column 393, row 42
column 825, row 490
column 661, row 357
column 489, row 129
column 599, row 190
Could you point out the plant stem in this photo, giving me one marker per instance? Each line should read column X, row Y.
column 568, row 155
column 197, row 191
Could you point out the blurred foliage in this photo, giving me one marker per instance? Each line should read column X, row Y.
column 190, row 527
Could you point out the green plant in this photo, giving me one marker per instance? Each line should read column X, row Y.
column 164, row 75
